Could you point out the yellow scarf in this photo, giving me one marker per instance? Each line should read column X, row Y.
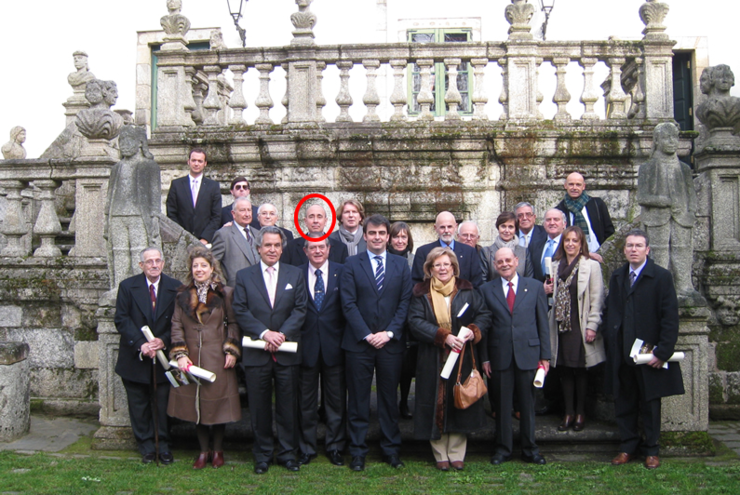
column 439, row 291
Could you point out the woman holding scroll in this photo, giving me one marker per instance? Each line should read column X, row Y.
column 205, row 334
column 441, row 305
column 578, row 294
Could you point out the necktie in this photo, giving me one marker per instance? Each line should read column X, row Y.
column 510, row 297
column 548, row 254
column 379, row 273
column 195, row 192
column 271, row 288
column 153, row 296
column 249, row 237
column 633, row 277
column 318, row 290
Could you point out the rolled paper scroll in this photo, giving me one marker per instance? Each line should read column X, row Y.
column 646, row 358
column 452, row 358
column 197, row 372
column 160, row 355
column 548, row 266
column 539, row 377
column 260, row 344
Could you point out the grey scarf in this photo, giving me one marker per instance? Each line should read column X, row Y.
column 350, row 240
column 500, row 243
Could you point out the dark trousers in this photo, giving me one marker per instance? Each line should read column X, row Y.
column 259, row 389
column 334, row 388
column 141, row 411
column 505, row 383
column 360, row 366
column 628, row 406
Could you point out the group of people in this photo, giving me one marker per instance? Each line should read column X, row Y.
column 360, row 302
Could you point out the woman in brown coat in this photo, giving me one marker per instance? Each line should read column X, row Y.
column 205, row 333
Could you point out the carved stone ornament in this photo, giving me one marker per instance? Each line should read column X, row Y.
column 652, row 14
column 304, row 20
column 98, row 121
column 720, row 112
column 13, row 149
column 79, row 79
column 175, row 26
column 518, row 14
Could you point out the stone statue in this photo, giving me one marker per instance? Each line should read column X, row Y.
column 518, row 14
column 175, row 24
column 217, row 40
column 665, row 191
column 304, row 20
column 98, row 121
column 720, row 112
column 134, row 196
column 13, row 149
column 79, row 79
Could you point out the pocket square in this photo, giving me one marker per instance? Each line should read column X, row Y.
column 288, row 287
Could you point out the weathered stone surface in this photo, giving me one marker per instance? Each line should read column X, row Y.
column 10, row 316
column 13, row 352
column 50, row 347
column 13, row 149
column 733, row 388
column 86, row 355
column 15, row 412
column 64, row 383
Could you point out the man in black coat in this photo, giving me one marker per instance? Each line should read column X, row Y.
column 641, row 305
column 529, row 231
column 316, row 224
column 321, row 351
column 240, row 188
column 194, row 201
column 146, row 299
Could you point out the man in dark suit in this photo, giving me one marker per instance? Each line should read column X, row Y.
column 234, row 246
column 146, row 299
column 321, row 350
column 376, row 290
column 641, row 305
column 544, row 247
column 270, row 305
column 194, row 201
column 316, row 224
column 240, row 188
column 267, row 214
column 529, row 231
column 518, row 343
column 467, row 257
column 469, row 233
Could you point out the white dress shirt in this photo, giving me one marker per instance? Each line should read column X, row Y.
column 312, row 276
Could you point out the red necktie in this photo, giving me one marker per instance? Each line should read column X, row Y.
column 510, row 297
column 153, row 295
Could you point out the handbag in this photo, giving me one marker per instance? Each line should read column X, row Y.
column 468, row 393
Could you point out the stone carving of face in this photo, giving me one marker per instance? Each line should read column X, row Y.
column 110, row 94
column 128, row 143
column 722, row 78
column 18, row 134
column 174, row 6
column 705, row 81
column 80, row 62
column 666, row 139
column 94, row 91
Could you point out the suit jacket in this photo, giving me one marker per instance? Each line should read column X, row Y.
column 202, row 221
column 598, row 215
column 227, row 217
column 649, row 311
column 369, row 311
column 255, row 315
column 293, row 253
column 539, row 234
column 233, row 251
column 133, row 311
column 323, row 329
column 522, row 335
column 535, row 253
column 467, row 257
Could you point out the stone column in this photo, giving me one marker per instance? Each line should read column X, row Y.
column 14, row 224
column 521, row 62
column 91, row 192
column 15, row 390
column 174, row 81
column 302, row 89
column 658, row 61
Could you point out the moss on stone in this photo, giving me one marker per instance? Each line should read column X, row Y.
column 728, row 354
column 690, row 442
column 716, row 389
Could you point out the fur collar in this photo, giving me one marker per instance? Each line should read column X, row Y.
column 424, row 287
column 187, row 299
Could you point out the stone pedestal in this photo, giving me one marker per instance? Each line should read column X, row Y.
column 91, row 191
column 15, row 386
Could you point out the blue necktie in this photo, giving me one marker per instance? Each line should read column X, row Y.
column 548, row 254
column 318, row 290
column 379, row 273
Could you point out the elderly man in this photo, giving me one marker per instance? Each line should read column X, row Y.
column 589, row 213
column 267, row 214
column 315, row 220
column 469, row 233
column 545, row 247
column 240, row 188
column 350, row 215
column 234, row 246
column 529, row 232
column 468, row 258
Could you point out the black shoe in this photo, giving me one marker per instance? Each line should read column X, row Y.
column 500, row 459
column 393, row 461
column 291, row 465
column 261, row 467
column 358, row 463
column 148, row 458
column 335, row 457
column 403, row 410
column 166, row 458
column 534, row 459
column 305, row 458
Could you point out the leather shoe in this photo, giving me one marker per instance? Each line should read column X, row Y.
column 148, row 458
column 566, row 423
column 166, row 458
column 622, row 458
column 305, row 458
column 291, row 465
column 534, row 459
column 358, row 463
column 218, row 459
column 458, row 465
column 261, row 467
column 443, row 465
column 393, row 460
column 652, row 462
column 202, row 460
column 580, row 423
column 500, row 459
column 335, row 457
column 404, row 411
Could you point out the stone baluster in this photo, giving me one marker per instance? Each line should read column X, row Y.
column 479, row 95
column 425, row 98
column 540, row 96
column 14, row 224
column 452, row 96
column 616, row 98
column 399, row 96
column 371, row 98
column 589, row 97
column 320, row 100
column 561, row 96
column 263, row 101
column 638, row 98
column 344, row 99
column 47, row 225
column 286, row 97
column 237, row 102
column 504, row 96
column 199, row 91
column 189, row 104
column 212, row 103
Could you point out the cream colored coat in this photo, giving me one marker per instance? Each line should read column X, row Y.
column 590, row 304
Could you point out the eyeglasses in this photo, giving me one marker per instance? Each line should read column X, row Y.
column 241, row 187
column 469, row 237
column 524, row 215
column 153, row 262
column 438, row 266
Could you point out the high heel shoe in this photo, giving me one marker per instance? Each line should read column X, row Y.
column 580, row 423
column 202, row 460
column 218, row 459
column 567, row 421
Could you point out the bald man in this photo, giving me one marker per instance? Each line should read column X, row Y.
column 468, row 258
column 315, row 220
column 589, row 213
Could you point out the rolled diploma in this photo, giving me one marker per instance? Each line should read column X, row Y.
column 548, row 266
column 646, row 358
column 160, row 355
column 197, row 372
column 539, row 377
column 260, row 344
column 452, row 358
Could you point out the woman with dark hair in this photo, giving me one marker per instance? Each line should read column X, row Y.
column 400, row 241
column 576, row 344
column 205, row 334
column 507, row 226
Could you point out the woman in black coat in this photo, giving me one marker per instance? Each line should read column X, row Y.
column 440, row 306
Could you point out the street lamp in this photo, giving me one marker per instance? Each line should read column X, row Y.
column 546, row 7
column 236, row 15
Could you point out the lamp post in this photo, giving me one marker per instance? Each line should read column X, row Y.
column 236, row 14
column 546, row 7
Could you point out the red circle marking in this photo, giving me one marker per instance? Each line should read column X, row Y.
column 297, row 223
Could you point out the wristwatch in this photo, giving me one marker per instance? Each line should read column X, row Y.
column 389, row 334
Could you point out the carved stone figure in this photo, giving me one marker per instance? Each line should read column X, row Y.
column 720, row 113
column 217, row 40
column 79, row 79
column 665, row 191
column 304, row 20
column 175, row 24
column 98, row 121
column 652, row 14
column 13, row 149
column 518, row 14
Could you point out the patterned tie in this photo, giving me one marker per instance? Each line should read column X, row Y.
column 318, row 290
column 249, row 237
column 271, row 288
column 510, row 297
column 194, row 191
column 548, row 254
column 153, row 296
column 379, row 273
column 633, row 277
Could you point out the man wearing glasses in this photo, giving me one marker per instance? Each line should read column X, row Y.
column 528, row 231
column 267, row 214
column 240, row 188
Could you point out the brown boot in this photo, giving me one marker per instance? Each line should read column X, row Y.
column 218, row 459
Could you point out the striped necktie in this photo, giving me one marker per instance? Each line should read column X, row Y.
column 379, row 273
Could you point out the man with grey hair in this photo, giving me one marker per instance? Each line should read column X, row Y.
column 469, row 233
column 545, row 247
column 529, row 232
column 234, row 246
column 267, row 214
column 315, row 219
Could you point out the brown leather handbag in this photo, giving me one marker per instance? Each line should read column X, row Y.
column 468, row 393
